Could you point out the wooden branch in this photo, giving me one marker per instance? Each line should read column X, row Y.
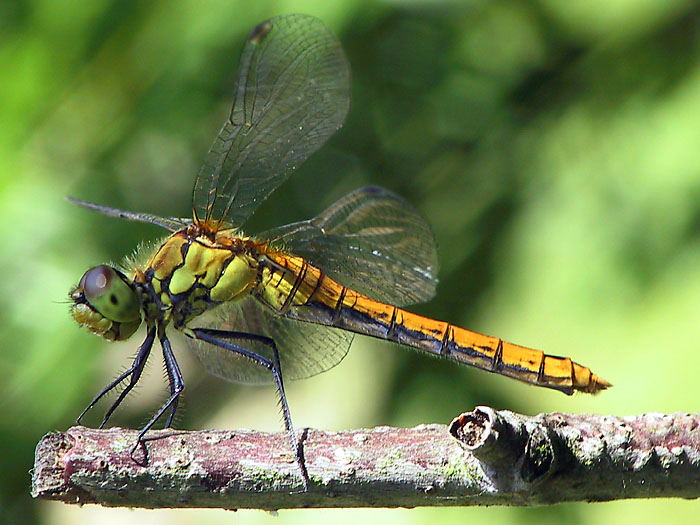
column 485, row 457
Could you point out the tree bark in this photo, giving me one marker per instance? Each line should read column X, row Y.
column 485, row 457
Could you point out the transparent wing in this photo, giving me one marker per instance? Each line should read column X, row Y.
column 169, row 223
column 291, row 95
column 372, row 241
column 305, row 349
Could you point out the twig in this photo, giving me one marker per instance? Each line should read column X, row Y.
column 495, row 458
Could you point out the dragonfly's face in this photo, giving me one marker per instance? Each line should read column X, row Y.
column 106, row 303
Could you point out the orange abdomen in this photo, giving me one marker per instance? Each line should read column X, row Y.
column 301, row 291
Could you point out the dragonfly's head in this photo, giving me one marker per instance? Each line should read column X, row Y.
column 106, row 303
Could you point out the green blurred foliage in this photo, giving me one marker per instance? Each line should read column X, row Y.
column 552, row 145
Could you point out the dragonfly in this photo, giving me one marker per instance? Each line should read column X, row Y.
column 286, row 303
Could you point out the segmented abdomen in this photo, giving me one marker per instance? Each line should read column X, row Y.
column 301, row 291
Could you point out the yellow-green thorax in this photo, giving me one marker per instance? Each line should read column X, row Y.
column 189, row 274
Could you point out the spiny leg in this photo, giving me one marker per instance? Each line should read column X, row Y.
column 177, row 385
column 274, row 365
column 215, row 337
column 134, row 371
column 174, row 379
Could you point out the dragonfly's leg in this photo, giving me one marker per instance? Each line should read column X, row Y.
column 273, row 366
column 216, row 338
column 177, row 385
column 134, row 371
column 174, row 379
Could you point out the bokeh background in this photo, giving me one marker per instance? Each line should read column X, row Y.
column 553, row 145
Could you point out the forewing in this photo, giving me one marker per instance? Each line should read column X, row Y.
column 372, row 241
column 169, row 223
column 291, row 95
column 305, row 349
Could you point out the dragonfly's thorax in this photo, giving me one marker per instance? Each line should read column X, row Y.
column 190, row 274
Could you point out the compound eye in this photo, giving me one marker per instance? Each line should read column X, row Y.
column 96, row 281
column 108, row 292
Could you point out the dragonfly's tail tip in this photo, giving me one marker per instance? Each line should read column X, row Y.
column 584, row 380
column 597, row 384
